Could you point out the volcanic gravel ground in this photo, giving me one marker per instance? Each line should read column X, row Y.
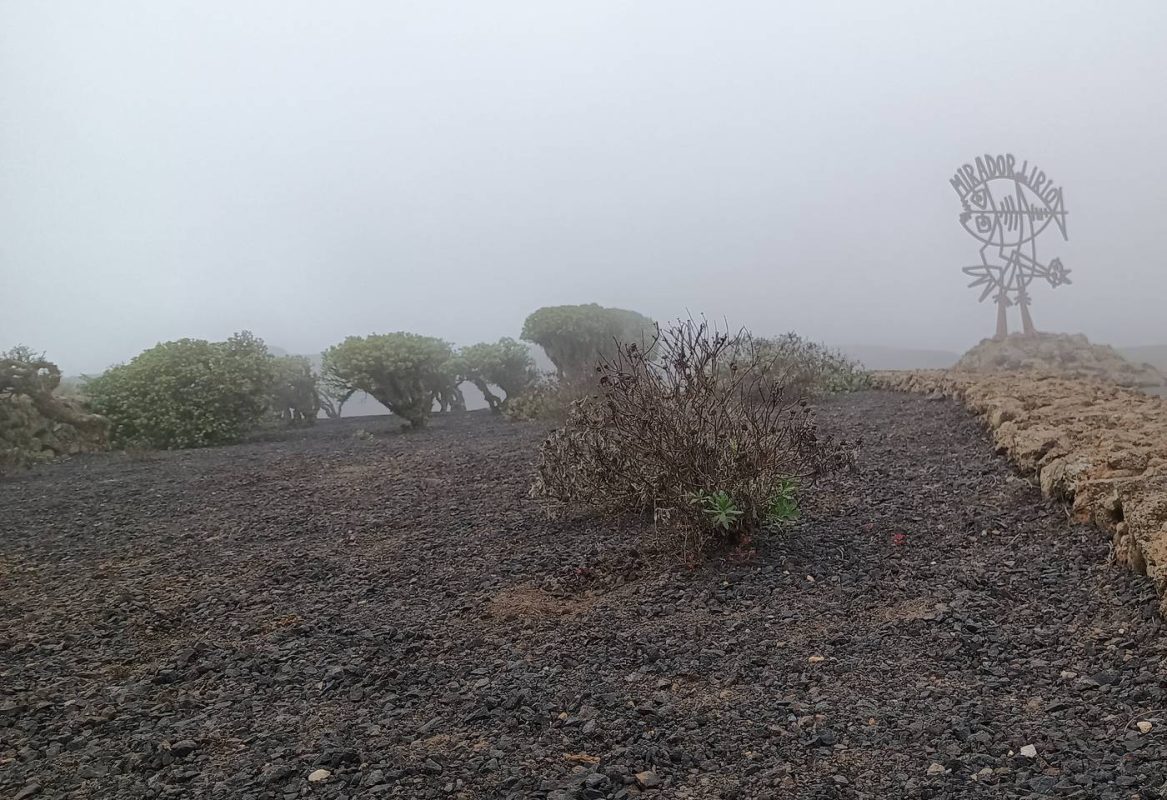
column 393, row 609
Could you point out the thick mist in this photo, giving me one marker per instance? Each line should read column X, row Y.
column 313, row 170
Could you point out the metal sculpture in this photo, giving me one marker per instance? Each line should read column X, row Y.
column 1006, row 209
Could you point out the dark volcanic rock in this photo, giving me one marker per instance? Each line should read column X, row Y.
column 223, row 623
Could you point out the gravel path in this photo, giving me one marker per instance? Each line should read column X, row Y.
column 390, row 615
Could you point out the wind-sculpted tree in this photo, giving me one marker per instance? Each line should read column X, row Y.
column 447, row 386
column 576, row 337
column 506, row 365
column 402, row 371
column 295, row 397
column 186, row 393
column 332, row 396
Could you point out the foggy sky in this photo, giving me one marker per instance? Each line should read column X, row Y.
column 310, row 170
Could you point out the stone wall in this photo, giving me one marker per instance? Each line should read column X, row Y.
column 28, row 436
column 1097, row 445
column 36, row 424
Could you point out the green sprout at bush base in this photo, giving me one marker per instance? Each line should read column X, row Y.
column 722, row 512
column 719, row 508
column 783, row 506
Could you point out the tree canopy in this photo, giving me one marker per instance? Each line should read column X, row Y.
column 403, row 371
column 576, row 336
column 505, row 364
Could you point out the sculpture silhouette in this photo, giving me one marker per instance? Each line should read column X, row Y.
column 1006, row 209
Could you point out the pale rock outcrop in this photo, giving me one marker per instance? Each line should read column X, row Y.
column 1066, row 355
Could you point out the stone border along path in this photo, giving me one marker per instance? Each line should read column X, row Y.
column 1098, row 445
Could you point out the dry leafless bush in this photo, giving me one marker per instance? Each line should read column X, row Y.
column 692, row 432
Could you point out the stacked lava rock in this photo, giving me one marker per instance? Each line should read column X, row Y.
column 35, row 424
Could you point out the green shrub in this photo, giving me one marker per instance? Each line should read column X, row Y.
column 782, row 506
column 543, row 400
column 692, row 433
column 187, row 393
column 805, row 368
column 402, row 371
column 506, row 365
column 719, row 508
column 295, row 397
column 576, row 337
column 550, row 398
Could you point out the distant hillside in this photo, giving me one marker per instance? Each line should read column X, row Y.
column 1153, row 354
column 875, row 357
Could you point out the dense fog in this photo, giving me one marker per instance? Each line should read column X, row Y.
column 312, row 170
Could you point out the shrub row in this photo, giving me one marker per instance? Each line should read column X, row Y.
column 708, row 433
column 192, row 392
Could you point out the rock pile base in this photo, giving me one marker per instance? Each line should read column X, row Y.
column 28, row 436
column 1062, row 354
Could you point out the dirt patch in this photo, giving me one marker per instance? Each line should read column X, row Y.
column 912, row 610
column 529, row 602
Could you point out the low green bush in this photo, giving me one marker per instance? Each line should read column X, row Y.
column 803, row 367
column 186, row 393
column 550, row 398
